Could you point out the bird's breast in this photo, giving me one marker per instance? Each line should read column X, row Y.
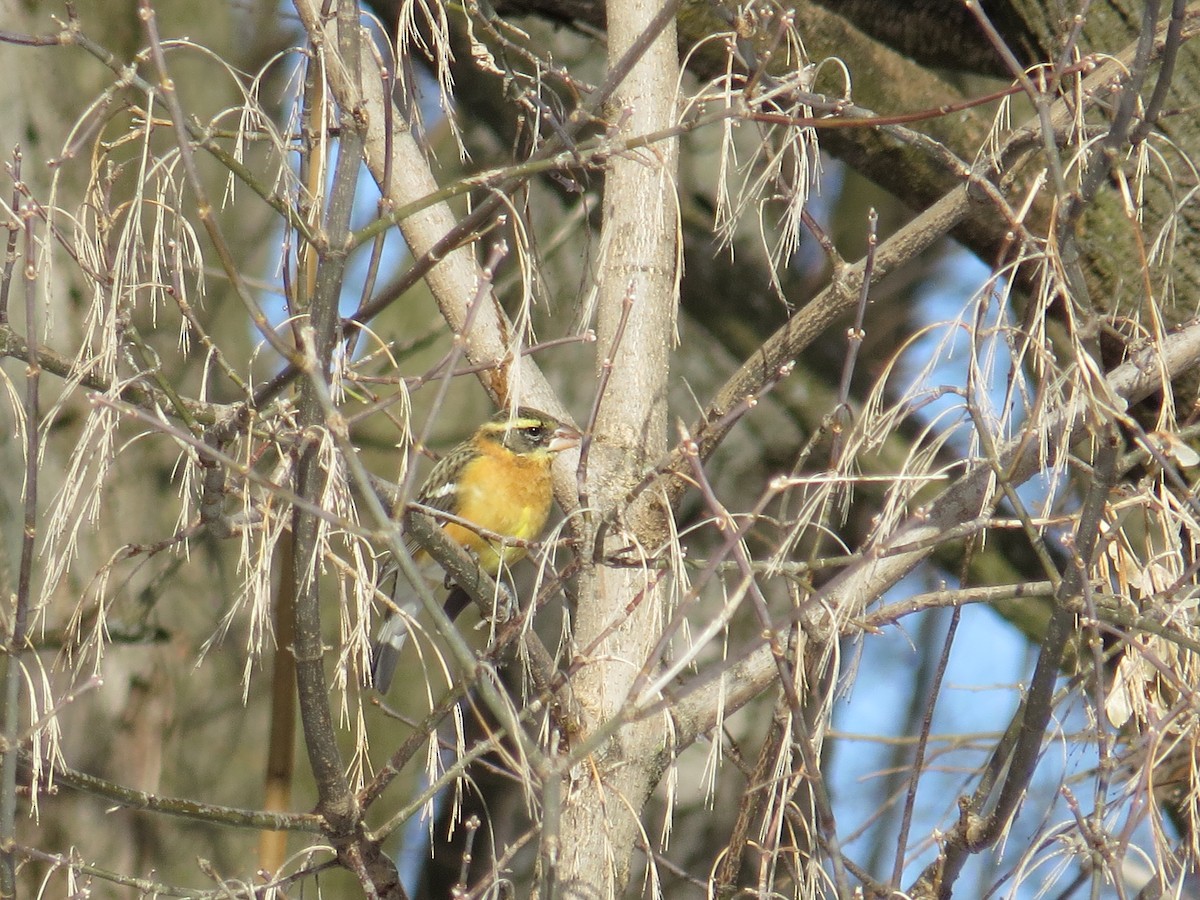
column 508, row 496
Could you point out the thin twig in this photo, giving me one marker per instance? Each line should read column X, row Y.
column 336, row 802
column 854, row 339
column 976, row 831
column 606, row 367
column 204, row 209
column 1166, row 71
column 18, row 639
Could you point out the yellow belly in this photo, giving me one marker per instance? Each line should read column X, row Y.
column 509, row 496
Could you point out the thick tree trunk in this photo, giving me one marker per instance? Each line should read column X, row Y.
column 604, row 793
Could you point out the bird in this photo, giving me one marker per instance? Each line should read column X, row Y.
column 499, row 480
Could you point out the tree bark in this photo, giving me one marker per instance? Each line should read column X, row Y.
column 620, row 610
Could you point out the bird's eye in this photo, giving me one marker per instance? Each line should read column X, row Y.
column 535, row 432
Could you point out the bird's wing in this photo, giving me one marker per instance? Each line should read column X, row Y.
column 438, row 492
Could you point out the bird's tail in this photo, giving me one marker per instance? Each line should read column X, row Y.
column 393, row 635
column 386, row 650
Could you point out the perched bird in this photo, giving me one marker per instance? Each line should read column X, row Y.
column 498, row 479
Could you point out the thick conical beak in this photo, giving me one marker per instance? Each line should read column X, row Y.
column 564, row 438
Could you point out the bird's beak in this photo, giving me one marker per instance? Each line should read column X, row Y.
column 564, row 438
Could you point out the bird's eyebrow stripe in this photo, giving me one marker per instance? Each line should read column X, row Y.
column 516, row 424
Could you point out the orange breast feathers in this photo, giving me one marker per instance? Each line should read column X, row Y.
column 506, row 493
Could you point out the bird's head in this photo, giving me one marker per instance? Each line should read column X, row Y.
column 530, row 432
